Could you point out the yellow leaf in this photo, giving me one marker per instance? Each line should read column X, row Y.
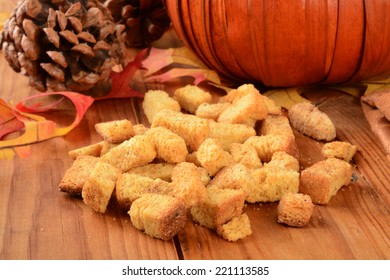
column 287, row 97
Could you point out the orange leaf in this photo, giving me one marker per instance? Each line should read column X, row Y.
column 8, row 121
column 37, row 128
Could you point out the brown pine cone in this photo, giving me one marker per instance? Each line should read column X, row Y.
column 63, row 45
column 145, row 20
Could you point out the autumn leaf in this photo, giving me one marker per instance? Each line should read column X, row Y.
column 36, row 127
column 287, row 97
column 8, row 121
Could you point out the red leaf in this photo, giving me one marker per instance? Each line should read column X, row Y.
column 8, row 121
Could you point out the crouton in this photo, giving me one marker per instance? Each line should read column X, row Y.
column 236, row 229
column 156, row 101
column 295, row 209
column 324, row 179
column 339, row 149
column 190, row 97
column 309, row 120
column 162, row 170
column 90, row 150
column 211, row 111
column 160, row 216
column 115, row 131
column 276, row 125
column 245, row 154
column 284, row 160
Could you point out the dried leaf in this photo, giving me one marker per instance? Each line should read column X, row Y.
column 287, row 97
column 199, row 75
column 37, row 128
column 8, row 121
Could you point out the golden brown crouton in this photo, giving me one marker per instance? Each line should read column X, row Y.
column 137, row 151
column 140, row 129
column 340, row 150
column 156, row 101
column 100, row 185
column 284, row 160
column 115, row 131
column 211, row 111
column 276, row 125
column 220, row 206
column 107, row 146
column 237, row 228
column 245, row 154
column 190, row 97
column 188, row 184
column 132, row 186
column 267, row 145
column 170, row 147
column 323, row 180
column 227, row 133
column 309, row 120
column 161, row 170
column 212, row 156
column 76, row 176
column 90, row 150
column 271, row 183
column 193, row 129
column 295, row 209
column 159, row 216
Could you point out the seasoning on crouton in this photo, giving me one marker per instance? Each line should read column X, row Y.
column 188, row 184
column 115, row 131
column 170, row 147
column 271, row 183
column 295, row 209
column 190, row 97
column 236, row 229
column 140, row 129
column 235, row 176
column 90, row 150
column 156, row 101
column 267, row 145
column 219, row 207
column 211, row 111
column 160, row 216
column 245, row 154
column 137, row 151
column 339, row 149
column 284, row 160
column 193, row 129
column 276, row 125
column 130, row 187
column 245, row 110
column 107, row 146
column 323, row 180
column 100, row 185
column 212, row 157
column 76, row 176
column 309, row 120
column 162, row 170
column 227, row 133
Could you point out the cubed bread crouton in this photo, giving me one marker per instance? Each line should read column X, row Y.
column 247, row 109
column 235, row 94
column 295, row 209
column 267, row 145
column 211, row 111
column 160, row 216
column 170, row 147
column 309, row 120
column 188, row 184
column 76, row 176
column 339, row 149
column 161, row 170
column 100, row 185
column 90, row 150
column 193, row 129
column 227, row 133
column 245, row 154
column 107, row 146
column 236, row 229
column 115, row 131
column 235, row 176
column 284, row 160
column 140, row 129
column 212, row 157
column 137, row 151
column 156, row 101
column 273, row 108
column 132, row 186
column 219, row 207
column 190, row 97
column 276, row 125
column 323, row 180
column 271, row 183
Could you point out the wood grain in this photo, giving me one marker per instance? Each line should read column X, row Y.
column 37, row 221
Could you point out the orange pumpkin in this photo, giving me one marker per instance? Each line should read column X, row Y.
column 287, row 43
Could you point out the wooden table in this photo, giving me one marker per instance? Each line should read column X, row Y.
column 37, row 221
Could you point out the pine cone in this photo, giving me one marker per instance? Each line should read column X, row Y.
column 63, row 45
column 145, row 20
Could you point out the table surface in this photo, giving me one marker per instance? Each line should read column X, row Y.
column 37, row 221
